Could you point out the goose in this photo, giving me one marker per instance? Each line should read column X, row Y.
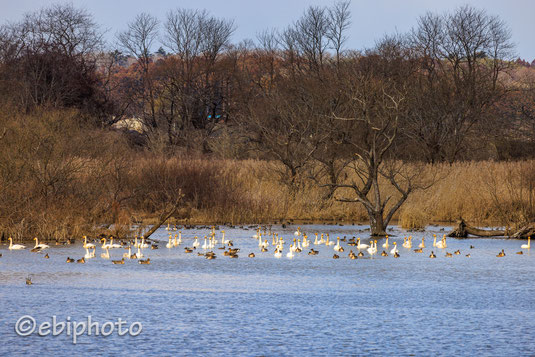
column 385, row 244
column 526, row 246
column 337, row 247
column 107, row 254
column 139, row 254
column 422, row 245
column 40, row 246
column 87, row 245
column 196, row 242
column 15, row 246
column 361, row 246
column 169, row 244
column 143, row 244
column 395, row 249
column 129, row 254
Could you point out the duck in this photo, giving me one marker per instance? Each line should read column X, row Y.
column 360, row 254
column 81, row 260
column 361, row 246
column 432, row 255
column 396, row 255
column 384, row 254
column 87, row 245
column 449, row 255
column 419, row 250
column 467, row 255
column 385, row 244
column 147, row 261
column 251, row 255
column 28, row 281
column 210, row 257
column 196, row 242
column 526, row 246
column 501, row 254
column 106, row 255
column 335, row 256
column 15, row 246
column 70, row 260
column 457, row 252
column 46, row 256
column 313, row 252
column 170, row 243
column 352, row 255
column 520, row 253
column 118, row 261
column 395, row 249
column 337, row 247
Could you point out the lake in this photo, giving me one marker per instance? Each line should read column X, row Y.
column 309, row 305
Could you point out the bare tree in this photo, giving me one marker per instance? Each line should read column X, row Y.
column 339, row 22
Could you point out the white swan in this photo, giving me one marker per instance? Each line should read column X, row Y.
column 88, row 245
column 422, row 245
column 372, row 249
column 169, row 244
column 205, row 245
column 297, row 232
column 88, row 254
column 196, row 242
column 395, row 249
column 104, row 245
column 361, row 246
column 316, row 240
column 337, row 247
column 328, row 242
column 139, row 254
column 322, row 241
column 278, row 253
column 143, row 244
column 441, row 244
column 129, row 254
column 434, row 240
column 290, row 254
column 168, row 228
column 306, row 242
column 223, row 240
column 385, row 244
column 265, row 244
column 526, row 246
column 113, row 245
column 15, row 246
column 179, row 237
column 40, row 246
column 107, row 254
column 136, row 244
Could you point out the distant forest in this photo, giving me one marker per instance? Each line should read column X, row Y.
column 75, row 109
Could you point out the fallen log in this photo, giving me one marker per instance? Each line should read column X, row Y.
column 164, row 217
column 463, row 230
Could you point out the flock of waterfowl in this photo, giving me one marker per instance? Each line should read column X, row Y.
column 265, row 238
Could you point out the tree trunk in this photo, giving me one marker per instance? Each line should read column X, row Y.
column 377, row 225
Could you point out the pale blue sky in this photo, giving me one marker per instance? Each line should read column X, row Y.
column 371, row 18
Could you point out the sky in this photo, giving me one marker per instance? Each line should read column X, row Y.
column 371, row 19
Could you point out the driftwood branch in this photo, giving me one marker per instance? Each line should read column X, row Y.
column 164, row 217
column 463, row 230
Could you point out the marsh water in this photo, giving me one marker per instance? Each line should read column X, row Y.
column 309, row 305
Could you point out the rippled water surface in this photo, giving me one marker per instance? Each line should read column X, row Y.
column 310, row 305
